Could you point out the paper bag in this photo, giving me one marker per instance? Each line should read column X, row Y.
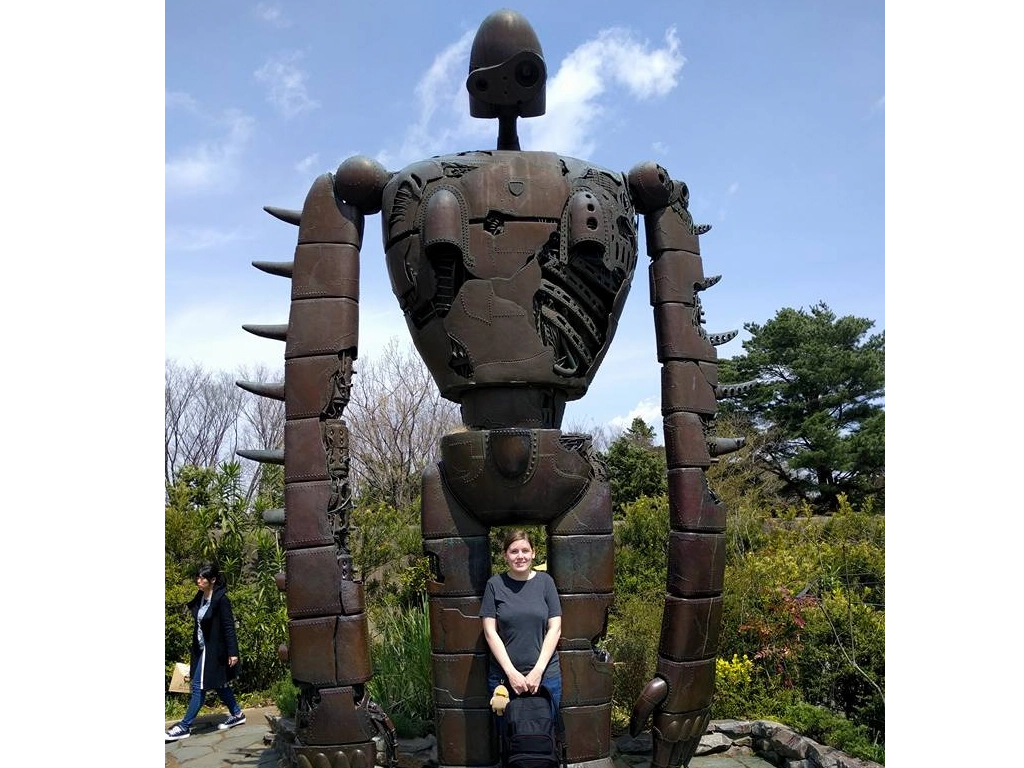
column 180, row 682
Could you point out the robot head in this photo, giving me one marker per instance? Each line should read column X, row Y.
column 506, row 68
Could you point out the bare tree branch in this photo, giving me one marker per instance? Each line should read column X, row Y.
column 200, row 414
column 261, row 422
column 206, row 417
column 396, row 419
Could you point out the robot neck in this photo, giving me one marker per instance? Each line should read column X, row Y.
column 508, row 135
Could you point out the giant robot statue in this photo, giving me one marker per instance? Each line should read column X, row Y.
column 512, row 268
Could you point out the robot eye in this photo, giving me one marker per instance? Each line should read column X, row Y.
column 480, row 84
column 527, row 74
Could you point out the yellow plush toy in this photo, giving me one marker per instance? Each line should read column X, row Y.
column 499, row 699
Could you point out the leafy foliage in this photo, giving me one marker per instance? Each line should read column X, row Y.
column 827, row 727
column 807, row 606
column 636, row 467
column 206, row 518
column 741, row 693
column 401, row 652
column 285, row 694
column 818, row 406
column 634, row 630
column 387, row 550
column 634, row 623
column 843, row 666
column 803, row 611
column 742, row 483
column 641, row 560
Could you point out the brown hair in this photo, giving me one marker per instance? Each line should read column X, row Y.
column 513, row 536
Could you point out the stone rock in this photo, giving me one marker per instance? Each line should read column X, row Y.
column 713, row 742
column 642, row 744
column 422, row 744
column 739, row 751
column 789, row 745
column 732, row 728
column 415, row 753
column 779, row 745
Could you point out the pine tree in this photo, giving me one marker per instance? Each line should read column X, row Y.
column 820, row 406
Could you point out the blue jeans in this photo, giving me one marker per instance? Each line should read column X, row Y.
column 197, row 698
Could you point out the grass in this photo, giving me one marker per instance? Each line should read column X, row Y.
column 402, row 683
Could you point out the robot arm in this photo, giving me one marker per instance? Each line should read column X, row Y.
column 679, row 696
column 328, row 651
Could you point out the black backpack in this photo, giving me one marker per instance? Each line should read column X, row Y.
column 531, row 737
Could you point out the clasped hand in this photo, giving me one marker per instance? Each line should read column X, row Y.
column 525, row 683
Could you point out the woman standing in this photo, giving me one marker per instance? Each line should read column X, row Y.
column 522, row 620
column 214, row 656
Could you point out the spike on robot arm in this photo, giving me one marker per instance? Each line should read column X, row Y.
column 679, row 695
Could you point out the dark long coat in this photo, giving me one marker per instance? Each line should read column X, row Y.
column 219, row 634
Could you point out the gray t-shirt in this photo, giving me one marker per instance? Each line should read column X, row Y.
column 522, row 610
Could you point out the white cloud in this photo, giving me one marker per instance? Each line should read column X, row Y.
column 210, row 334
column 200, row 238
column 180, row 100
column 271, row 14
column 305, row 165
column 286, row 85
column 210, row 164
column 649, row 410
column 440, row 95
column 660, row 147
column 614, row 57
column 733, row 188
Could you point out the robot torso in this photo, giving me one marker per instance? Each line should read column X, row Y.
column 511, row 267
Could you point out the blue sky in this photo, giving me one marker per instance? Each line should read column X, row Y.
column 772, row 113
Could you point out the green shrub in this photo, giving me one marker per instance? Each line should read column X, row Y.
column 387, row 550
column 402, row 683
column 636, row 467
column 733, row 688
column 634, row 629
column 827, row 727
column 641, row 549
column 843, row 664
column 262, row 625
column 805, row 603
column 285, row 695
column 743, row 692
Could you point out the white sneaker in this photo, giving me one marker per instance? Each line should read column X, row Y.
column 179, row 731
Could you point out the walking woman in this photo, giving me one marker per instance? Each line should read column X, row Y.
column 214, row 656
column 522, row 620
